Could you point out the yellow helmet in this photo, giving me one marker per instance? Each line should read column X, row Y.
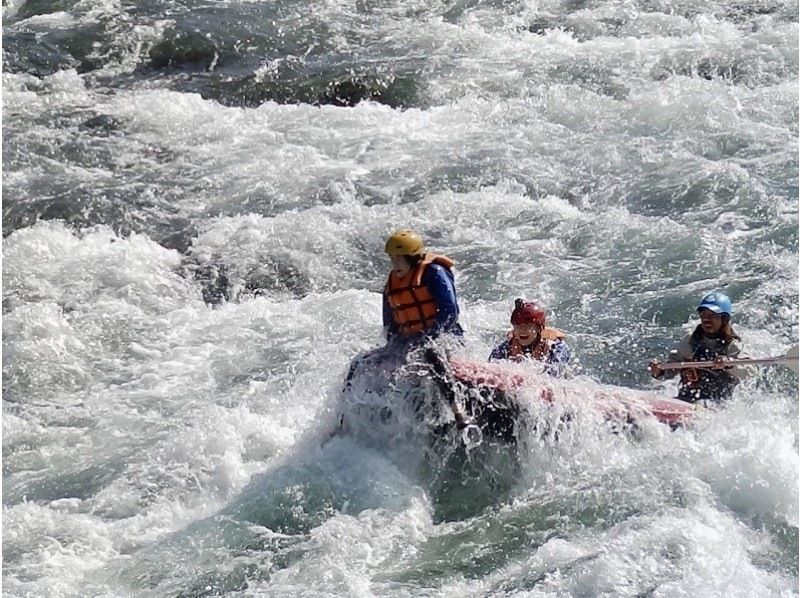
column 405, row 242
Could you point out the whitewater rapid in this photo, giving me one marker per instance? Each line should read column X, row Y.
column 193, row 223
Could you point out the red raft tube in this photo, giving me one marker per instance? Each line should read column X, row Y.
column 614, row 402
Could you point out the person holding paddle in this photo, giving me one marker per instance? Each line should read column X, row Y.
column 530, row 338
column 713, row 340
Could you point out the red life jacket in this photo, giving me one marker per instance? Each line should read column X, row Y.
column 541, row 348
column 413, row 307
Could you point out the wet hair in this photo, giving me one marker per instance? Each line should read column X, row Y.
column 518, row 303
column 726, row 333
column 414, row 259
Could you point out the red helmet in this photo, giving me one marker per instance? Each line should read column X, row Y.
column 527, row 313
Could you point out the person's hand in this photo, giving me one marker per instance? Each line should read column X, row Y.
column 719, row 363
column 655, row 368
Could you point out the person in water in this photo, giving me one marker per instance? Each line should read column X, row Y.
column 531, row 338
column 419, row 298
column 712, row 340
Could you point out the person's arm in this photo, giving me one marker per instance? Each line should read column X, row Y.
column 683, row 352
column 442, row 288
column 740, row 372
column 389, row 325
column 500, row 352
column 557, row 358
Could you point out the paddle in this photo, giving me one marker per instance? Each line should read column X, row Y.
column 470, row 432
column 789, row 359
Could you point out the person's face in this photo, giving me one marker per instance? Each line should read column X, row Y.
column 400, row 265
column 526, row 334
column 711, row 322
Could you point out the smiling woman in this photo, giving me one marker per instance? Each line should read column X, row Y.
column 531, row 338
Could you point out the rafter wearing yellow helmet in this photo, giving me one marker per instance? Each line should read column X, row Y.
column 405, row 242
column 419, row 296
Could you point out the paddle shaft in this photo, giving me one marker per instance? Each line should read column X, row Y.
column 444, row 379
column 682, row 365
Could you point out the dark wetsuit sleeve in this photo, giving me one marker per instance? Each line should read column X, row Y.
column 389, row 325
column 442, row 288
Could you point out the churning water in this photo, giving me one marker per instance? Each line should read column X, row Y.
column 195, row 200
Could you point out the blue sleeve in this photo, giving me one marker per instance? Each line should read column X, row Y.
column 441, row 286
column 557, row 358
column 500, row 352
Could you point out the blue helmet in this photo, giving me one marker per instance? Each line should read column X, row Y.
column 717, row 302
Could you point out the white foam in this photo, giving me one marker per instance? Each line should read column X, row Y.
column 594, row 170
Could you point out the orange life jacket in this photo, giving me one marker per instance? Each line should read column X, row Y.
column 413, row 307
column 542, row 347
